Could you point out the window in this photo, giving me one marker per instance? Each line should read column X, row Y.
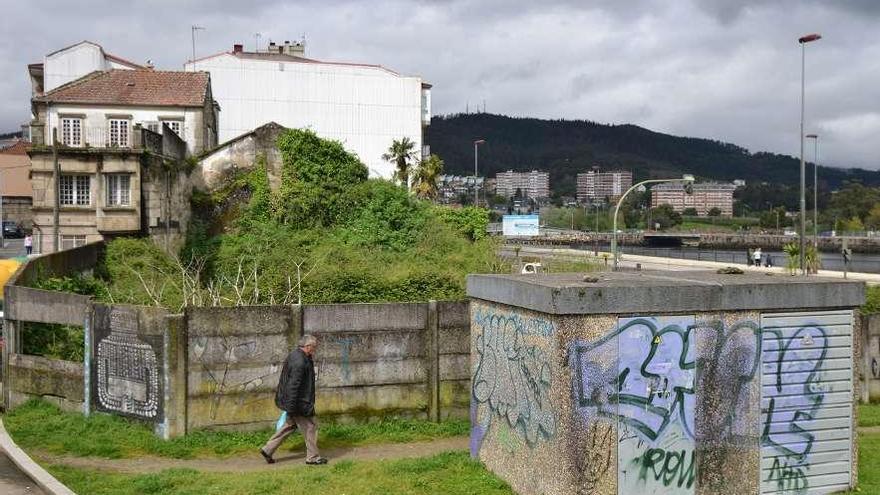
column 118, row 132
column 72, row 241
column 174, row 125
column 118, row 190
column 75, row 190
column 154, row 127
column 71, row 131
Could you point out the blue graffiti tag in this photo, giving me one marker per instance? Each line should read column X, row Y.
column 512, row 377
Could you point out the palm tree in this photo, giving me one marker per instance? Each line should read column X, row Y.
column 425, row 178
column 401, row 153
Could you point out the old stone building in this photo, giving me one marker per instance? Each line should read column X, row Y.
column 110, row 155
column 15, row 186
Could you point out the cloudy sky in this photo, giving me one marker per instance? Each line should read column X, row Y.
column 726, row 70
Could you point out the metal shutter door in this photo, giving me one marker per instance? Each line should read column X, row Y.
column 806, row 402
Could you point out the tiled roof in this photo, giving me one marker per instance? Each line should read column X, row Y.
column 134, row 87
column 16, row 147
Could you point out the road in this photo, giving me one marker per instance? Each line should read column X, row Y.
column 13, row 248
column 13, row 481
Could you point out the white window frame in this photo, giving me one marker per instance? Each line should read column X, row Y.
column 119, row 133
column 71, row 131
column 176, row 126
column 154, row 127
column 118, row 190
column 75, row 190
column 72, row 241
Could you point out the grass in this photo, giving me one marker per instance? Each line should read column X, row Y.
column 40, row 425
column 449, row 473
column 869, row 415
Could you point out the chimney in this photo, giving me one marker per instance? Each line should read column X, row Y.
column 237, row 48
column 149, row 65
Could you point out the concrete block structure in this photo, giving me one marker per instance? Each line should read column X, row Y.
column 650, row 383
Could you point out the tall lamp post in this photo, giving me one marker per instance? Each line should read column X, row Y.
column 687, row 178
column 477, row 143
column 803, row 40
column 815, row 137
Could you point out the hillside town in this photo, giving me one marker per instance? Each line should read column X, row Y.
column 251, row 264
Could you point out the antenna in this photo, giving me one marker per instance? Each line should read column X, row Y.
column 193, row 30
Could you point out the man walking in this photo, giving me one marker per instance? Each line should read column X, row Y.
column 296, row 396
column 28, row 244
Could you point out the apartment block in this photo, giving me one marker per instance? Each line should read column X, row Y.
column 594, row 186
column 705, row 197
column 534, row 184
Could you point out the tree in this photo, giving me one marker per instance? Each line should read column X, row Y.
column 666, row 216
column 715, row 212
column 689, row 212
column 401, row 153
column 873, row 220
column 425, row 179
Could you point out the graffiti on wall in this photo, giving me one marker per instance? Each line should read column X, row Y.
column 511, row 381
column 647, row 375
column 128, row 365
column 222, row 371
column 793, row 396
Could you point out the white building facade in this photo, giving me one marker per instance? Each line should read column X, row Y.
column 534, row 184
column 365, row 107
column 595, row 186
column 68, row 64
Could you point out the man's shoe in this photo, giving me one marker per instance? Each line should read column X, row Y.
column 269, row 459
column 319, row 460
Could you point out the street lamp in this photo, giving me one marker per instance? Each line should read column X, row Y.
column 803, row 40
column 685, row 178
column 815, row 137
column 476, row 190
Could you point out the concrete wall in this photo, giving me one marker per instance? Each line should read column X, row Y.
column 871, row 358
column 241, row 153
column 374, row 360
column 59, row 382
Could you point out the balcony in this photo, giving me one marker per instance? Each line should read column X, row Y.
column 135, row 139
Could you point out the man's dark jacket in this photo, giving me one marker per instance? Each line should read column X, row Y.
column 296, row 387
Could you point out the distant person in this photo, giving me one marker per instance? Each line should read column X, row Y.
column 756, row 256
column 296, row 396
column 28, row 244
column 749, row 257
column 769, row 261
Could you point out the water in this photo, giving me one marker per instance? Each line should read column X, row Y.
column 865, row 263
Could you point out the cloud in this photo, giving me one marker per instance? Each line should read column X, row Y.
column 706, row 68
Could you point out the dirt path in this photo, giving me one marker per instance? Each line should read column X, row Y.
column 254, row 462
column 869, row 429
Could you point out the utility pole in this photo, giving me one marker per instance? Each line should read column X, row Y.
column 56, row 179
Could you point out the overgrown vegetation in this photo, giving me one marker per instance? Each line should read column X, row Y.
column 40, row 425
column 326, row 234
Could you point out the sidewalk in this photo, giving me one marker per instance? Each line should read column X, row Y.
column 630, row 261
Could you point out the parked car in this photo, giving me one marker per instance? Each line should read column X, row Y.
column 12, row 230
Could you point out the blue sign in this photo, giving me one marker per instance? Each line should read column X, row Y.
column 520, row 225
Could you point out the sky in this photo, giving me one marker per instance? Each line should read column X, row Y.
column 724, row 70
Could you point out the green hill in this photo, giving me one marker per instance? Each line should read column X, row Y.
column 567, row 147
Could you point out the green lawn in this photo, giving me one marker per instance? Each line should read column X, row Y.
column 39, row 425
column 448, row 473
column 869, row 414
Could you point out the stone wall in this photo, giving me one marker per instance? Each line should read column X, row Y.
column 59, row 382
column 241, row 153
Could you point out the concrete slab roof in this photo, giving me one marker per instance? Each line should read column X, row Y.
column 664, row 292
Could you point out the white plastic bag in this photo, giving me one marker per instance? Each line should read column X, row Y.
column 281, row 420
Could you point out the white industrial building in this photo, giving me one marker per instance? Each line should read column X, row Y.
column 363, row 106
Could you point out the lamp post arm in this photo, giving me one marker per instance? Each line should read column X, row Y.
column 617, row 208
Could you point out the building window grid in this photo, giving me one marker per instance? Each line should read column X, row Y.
column 119, row 190
column 72, row 241
column 75, row 190
column 118, row 132
column 174, row 125
column 71, row 131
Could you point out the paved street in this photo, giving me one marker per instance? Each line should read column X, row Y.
column 13, row 248
column 13, row 481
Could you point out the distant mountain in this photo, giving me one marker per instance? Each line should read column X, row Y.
column 567, row 147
